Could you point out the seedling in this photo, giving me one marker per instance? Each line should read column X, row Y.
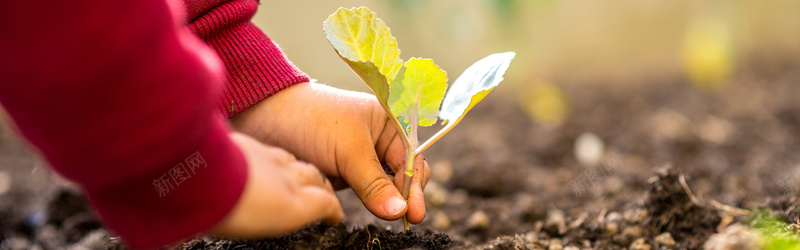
column 414, row 91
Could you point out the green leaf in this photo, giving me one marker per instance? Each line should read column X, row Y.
column 474, row 84
column 417, row 92
column 404, row 124
column 366, row 44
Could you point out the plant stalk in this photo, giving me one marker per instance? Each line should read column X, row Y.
column 409, row 172
column 408, row 176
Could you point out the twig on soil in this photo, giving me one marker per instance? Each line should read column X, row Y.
column 725, row 208
column 577, row 222
column 682, row 180
column 602, row 215
column 371, row 241
column 376, row 241
column 729, row 209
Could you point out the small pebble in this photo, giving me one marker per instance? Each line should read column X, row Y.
column 441, row 171
column 524, row 205
column 588, row 149
column 435, row 194
column 5, row 182
column 670, row 124
column 613, row 216
column 628, row 235
column 531, row 237
column 612, row 228
column 629, row 216
column 635, row 215
column 640, row 244
column 555, row 223
column 714, row 130
column 478, row 220
column 734, row 237
column 441, row 221
column 555, row 244
column 459, row 196
column 665, row 240
column 633, row 231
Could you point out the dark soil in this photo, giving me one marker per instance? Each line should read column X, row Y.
column 502, row 180
column 672, row 210
column 333, row 237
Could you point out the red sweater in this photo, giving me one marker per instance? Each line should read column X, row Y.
column 119, row 98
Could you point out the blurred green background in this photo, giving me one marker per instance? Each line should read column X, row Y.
column 554, row 39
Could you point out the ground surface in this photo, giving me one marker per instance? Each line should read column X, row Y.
column 678, row 165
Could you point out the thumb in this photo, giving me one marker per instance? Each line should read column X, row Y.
column 365, row 175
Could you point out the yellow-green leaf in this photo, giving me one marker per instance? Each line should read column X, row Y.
column 474, row 84
column 708, row 54
column 417, row 92
column 367, row 45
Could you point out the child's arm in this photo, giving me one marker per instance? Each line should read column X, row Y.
column 348, row 131
column 116, row 99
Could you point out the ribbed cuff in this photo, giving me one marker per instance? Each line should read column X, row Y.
column 256, row 67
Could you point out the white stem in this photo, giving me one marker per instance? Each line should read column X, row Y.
column 436, row 137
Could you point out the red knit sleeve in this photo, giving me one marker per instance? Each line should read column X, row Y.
column 117, row 100
column 256, row 67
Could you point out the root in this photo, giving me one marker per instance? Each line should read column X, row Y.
column 682, row 180
column 729, row 209
column 722, row 207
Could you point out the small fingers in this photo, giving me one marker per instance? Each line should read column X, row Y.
column 416, row 200
column 416, row 204
column 314, row 202
column 366, row 177
column 308, row 174
column 426, row 171
column 395, row 156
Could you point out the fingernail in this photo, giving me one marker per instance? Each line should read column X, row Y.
column 394, row 206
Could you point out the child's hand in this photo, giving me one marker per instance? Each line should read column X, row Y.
column 347, row 135
column 282, row 194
